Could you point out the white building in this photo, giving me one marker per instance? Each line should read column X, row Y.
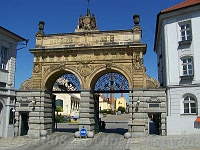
column 177, row 44
column 8, row 44
column 69, row 102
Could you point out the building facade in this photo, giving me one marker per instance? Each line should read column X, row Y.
column 69, row 102
column 8, row 45
column 177, row 47
column 120, row 102
column 104, row 103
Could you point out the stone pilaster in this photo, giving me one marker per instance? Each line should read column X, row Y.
column 86, row 110
column 130, row 123
column 139, row 117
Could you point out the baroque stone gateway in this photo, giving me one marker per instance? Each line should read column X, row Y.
column 88, row 54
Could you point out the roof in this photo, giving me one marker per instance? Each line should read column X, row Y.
column 18, row 38
column 182, row 5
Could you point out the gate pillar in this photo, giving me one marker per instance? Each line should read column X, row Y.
column 86, row 110
column 39, row 107
column 138, row 119
column 142, row 102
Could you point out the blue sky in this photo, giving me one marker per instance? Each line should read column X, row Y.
column 61, row 16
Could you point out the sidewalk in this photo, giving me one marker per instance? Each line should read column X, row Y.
column 17, row 143
column 21, row 142
column 155, row 142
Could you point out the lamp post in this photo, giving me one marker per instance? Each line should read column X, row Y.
column 33, row 103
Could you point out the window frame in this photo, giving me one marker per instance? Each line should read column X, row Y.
column 187, row 66
column 189, row 99
column 4, row 58
column 185, row 37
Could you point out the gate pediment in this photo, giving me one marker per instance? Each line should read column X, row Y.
column 94, row 39
column 87, row 53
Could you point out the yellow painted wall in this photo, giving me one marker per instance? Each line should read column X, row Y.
column 120, row 102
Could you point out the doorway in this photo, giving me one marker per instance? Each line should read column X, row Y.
column 24, row 123
column 154, row 123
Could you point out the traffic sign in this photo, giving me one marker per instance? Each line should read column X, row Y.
column 83, row 132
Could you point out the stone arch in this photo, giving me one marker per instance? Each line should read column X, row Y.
column 87, row 55
column 49, row 80
column 92, row 79
column 189, row 94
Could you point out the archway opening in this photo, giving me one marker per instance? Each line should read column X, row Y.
column 112, row 105
column 67, row 103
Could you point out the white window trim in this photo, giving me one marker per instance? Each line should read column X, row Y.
column 179, row 30
column 182, row 105
column 181, row 66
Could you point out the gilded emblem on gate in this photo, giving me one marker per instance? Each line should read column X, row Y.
column 85, row 70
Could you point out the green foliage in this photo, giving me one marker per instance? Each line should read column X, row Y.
column 59, row 119
column 59, row 109
column 106, row 111
column 122, row 109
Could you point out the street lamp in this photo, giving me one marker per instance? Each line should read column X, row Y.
column 33, row 103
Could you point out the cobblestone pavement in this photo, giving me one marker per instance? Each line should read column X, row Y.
column 103, row 141
column 155, row 142
column 112, row 138
column 16, row 143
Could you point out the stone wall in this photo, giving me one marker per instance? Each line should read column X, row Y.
column 140, row 106
column 38, row 105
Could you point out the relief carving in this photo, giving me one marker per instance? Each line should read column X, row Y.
column 37, row 59
column 62, row 66
column 151, row 82
column 85, row 70
column 137, row 64
column 26, row 85
column 37, row 68
column 44, row 56
column 108, row 65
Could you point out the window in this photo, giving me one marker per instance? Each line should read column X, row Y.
column 187, row 66
column 189, row 105
column 185, row 29
column 59, row 102
column 3, row 57
column 11, row 116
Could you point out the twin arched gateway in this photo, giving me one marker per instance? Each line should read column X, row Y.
column 88, row 54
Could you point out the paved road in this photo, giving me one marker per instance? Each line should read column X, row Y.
column 110, row 139
column 102, row 141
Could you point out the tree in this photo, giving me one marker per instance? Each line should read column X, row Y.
column 122, row 109
column 58, row 109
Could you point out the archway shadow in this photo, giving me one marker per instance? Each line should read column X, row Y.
column 120, row 131
column 70, row 130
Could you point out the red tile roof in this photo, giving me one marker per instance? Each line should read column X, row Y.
column 182, row 5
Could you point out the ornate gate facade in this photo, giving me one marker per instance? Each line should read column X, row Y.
column 88, row 54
